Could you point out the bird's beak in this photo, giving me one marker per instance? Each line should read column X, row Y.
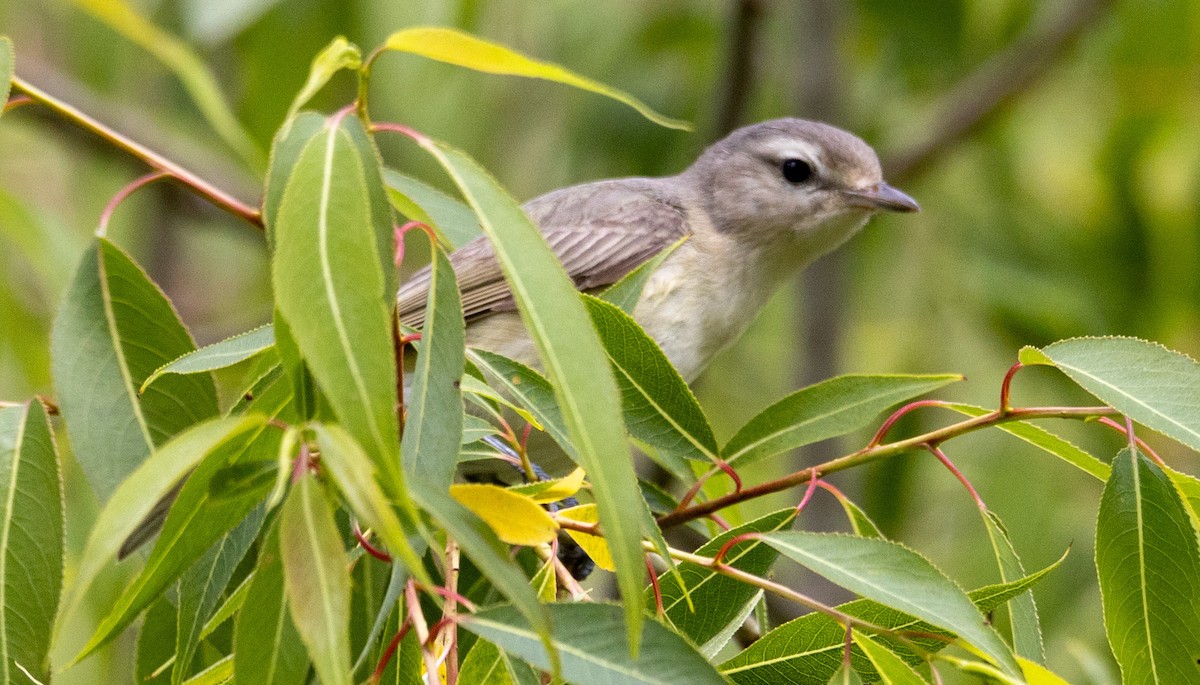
column 882, row 196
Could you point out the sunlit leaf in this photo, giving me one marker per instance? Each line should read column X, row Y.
column 825, row 410
column 316, row 580
column 200, row 84
column 1037, row 674
column 516, row 518
column 554, row 489
column 1154, row 386
column 219, row 355
column 114, row 329
column 1148, row 562
column 572, row 355
column 464, row 50
column 339, row 54
column 897, row 577
column 589, row 636
column 31, row 540
column 433, row 429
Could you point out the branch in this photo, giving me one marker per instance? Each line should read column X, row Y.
column 151, row 158
column 984, row 94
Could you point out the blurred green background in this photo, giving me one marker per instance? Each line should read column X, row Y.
column 1054, row 146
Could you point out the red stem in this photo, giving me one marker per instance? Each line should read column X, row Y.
column 134, row 186
column 813, row 482
column 658, row 600
column 1127, row 431
column 368, row 547
column 937, row 452
column 1006, row 385
column 391, row 650
column 899, row 414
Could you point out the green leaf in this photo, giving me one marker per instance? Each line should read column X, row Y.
column 266, row 646
column 845, row 675
column 860, row 523
column 1189, row 491
column 433, row 429
column 229, row 608
column 201, row 588
column 589, row 637
column 217, row 673
column 8, row 60
column 719, row 599
column 990, row 597
column 626, row 292
column 144, row 488
column 572, row 355
column 891, row 669
column 329, row 287
column 828, row 409
column 660, row 409
column 1044, row 439
column 290, row 141
column 196, row 521
column 339, row 54
column 464, row 50
column 528, row 388
column 486, row 665
column 156, row 643
column 1154, row 386
column 31, row 541
column 199, row 83
column 219, row 355
column 356, row 475
column 114, row 329
column 1026, row 627
column 454, row 222
column 897, row 577
column 316, row 580
column 1149, row 567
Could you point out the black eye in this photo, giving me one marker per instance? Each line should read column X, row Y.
column 797, row 170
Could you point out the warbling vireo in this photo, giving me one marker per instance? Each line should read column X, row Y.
column 756, row 207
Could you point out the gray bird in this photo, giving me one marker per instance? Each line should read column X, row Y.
column 755, row 207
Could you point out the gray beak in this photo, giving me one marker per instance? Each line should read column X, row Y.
column 882, row 196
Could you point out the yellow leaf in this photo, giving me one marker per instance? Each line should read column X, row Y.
column 1036, row 674
column 547, row 491
column 545, row 582
column 595, row 546
column 517, row 519
column 465, row 50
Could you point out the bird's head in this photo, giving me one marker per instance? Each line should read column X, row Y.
column 793, row 180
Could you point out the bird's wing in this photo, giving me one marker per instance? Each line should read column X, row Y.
column 599, row 231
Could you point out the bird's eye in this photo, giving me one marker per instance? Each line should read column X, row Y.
column 797, row 170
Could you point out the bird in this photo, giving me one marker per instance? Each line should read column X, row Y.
column 753, row 210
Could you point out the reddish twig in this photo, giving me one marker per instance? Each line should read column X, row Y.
column 937, row 452
column 1134, row 440
column 658, row 599
column 813, row 482
column 17, row 102
column 899, row 414
column 368, row 547
column 122, row 194
column 391, row 650
column 1006, row 386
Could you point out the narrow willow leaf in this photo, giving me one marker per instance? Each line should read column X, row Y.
column 808, row 650
column 718, row 599
column 589, row 637
column 573, row 357
column 114, row 329
column 1026, row 626
column 545, row 582
column 1037, row 674
column 156, row 644
column 1154, row 386
column 197, row 520
column 464, row 50
column 1148, row 563
column 660, row 409
column 386, row 617
column 316, row 580
column 491, row 400
column 454, row 222
column 626, row 292
column 267, row 648
column 527, row 387
column 290, row 141
column 218, row 673
column 383, row 220
column 356, row 476
column 486, row 665
column 200, row 589
column 339, row 54
column 1189, row 491
column 305, row 394
column 8, row 60
column 897, row 577
column 825, row 410
column 329, row 287
column 517, row 519
column 219, row 355
column 199, row 83
column 892, row 669
column 433, row 429
column 139, row 493
column 1044, row 439
column 552, row 490
column 31, row 540
column 229, row 608
column 845, row 675
column 860, row 523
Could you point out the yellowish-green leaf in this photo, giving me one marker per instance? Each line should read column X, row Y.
column 465, row 50
column 595, row 546
column 545, row 582
column 553, row 490
column 516, row 519
column 197, row 80
column 1036, row 674
column 339, row 54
